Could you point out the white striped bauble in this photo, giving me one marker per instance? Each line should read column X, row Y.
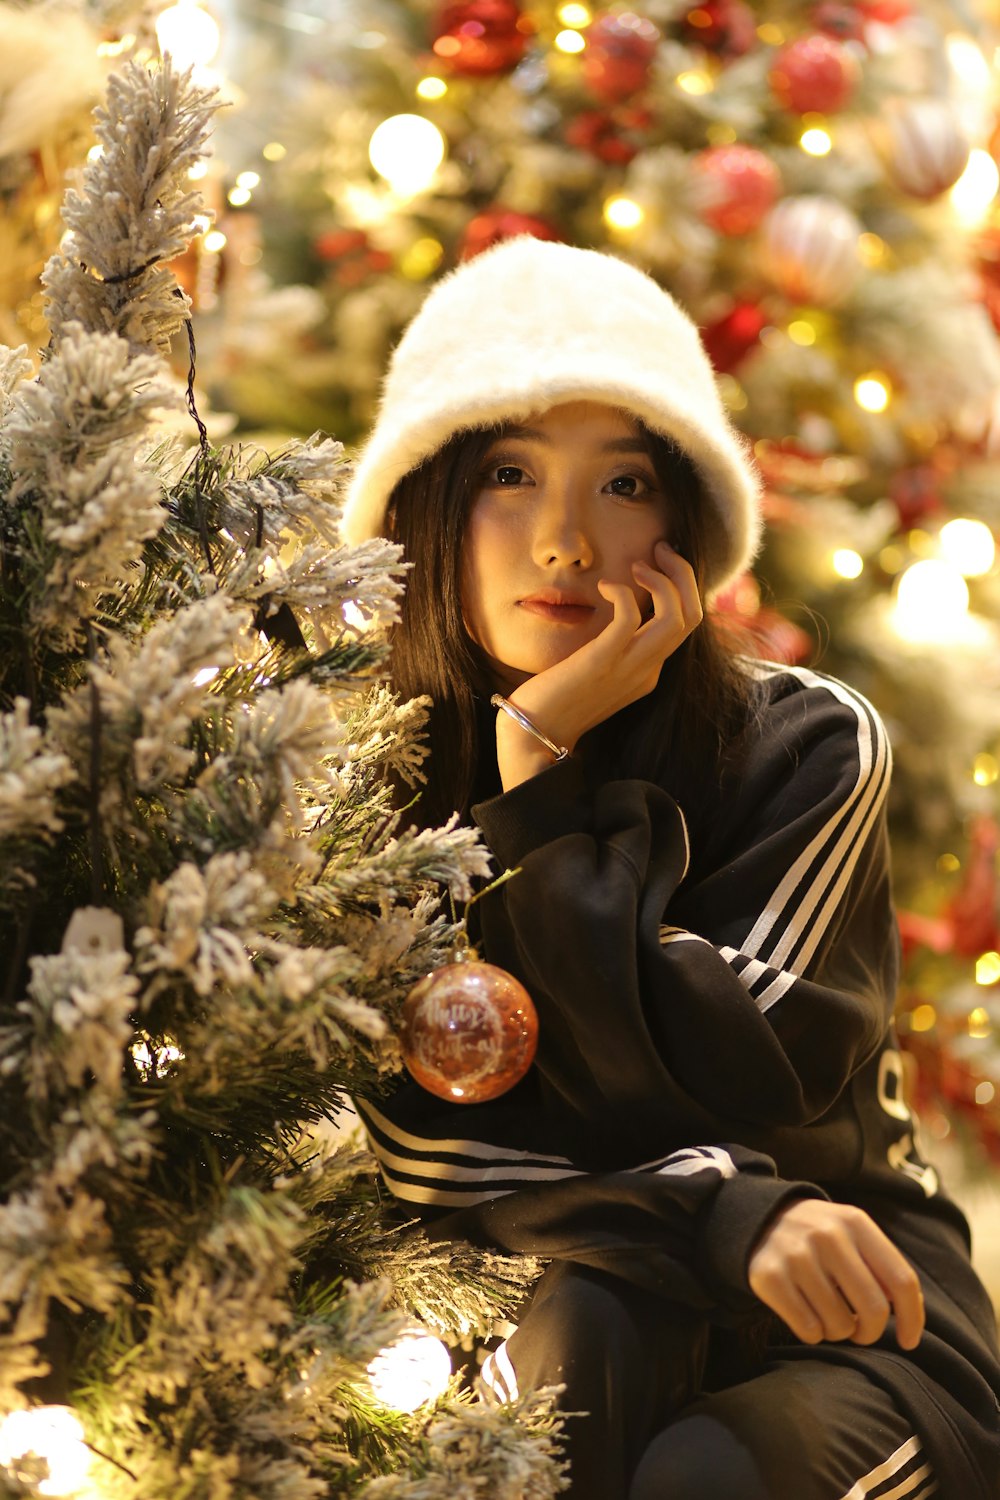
column 810, row 248
column 926, row 147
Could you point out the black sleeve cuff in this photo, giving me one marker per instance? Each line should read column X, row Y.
column 733, row 1223
column 543, row 808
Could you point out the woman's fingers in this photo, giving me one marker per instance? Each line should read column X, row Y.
column 829, row 1272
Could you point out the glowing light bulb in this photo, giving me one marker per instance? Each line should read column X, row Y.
column 872, row 392
column 52, row 1433
column 623, row 213
column 693, row 82
column 968, row 546
column 188, row 33
column 985, row 1092
column 978, row 185
column 410, row 1372
column 847, row 563
column 215, row 241
column 274, row 151
column 985, row 769
column 816, row 141
column 988, row 968
column 979, row 1022
column 575, row 15
column 968, row 64
column 570, row 41
column 407, row 150
column 922, row 1017
column 802, row 332
column 248, row 180
column 431, row 88
column 422, row 258
column 932, row 601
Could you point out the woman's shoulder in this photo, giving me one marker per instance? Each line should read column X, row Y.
column 805, row 701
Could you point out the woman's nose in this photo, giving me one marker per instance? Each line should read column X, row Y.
column 562, row 537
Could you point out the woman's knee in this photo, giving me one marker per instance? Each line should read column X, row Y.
column 699, row 1458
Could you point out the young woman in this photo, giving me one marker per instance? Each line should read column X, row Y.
column 756, row 1288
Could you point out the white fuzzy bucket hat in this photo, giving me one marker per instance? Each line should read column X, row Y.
column 530, row 324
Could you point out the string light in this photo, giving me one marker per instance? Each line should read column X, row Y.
column 422, row 258
column 693, row 82
column 188, row 33
column 979, row 1023
column 407, row 150
column 985, row 769
column 847, row 563
column 932, row 602
column 570, row 41
column 977, row 187
column 922, row 1017
column 802, row 332
column 431, row 88
column 215, row 241
column 873, row 391
column 274, row 151
column 948, row 864
column 985, row 1092
column 968, row 546
column 968, row 64
column 575, row 15
column 623, row 213
column 410, row 1372
column 816, row 141
column 988, row 968
column 53, row 1434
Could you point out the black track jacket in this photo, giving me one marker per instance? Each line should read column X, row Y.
column 716, row 1040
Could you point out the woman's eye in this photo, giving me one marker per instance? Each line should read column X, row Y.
column 629, row 486
column 507, row 474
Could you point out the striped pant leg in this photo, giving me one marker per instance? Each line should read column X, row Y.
column 625, row 1362
column 800, row 1430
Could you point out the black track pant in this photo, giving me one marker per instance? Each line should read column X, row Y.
column 799, row 1429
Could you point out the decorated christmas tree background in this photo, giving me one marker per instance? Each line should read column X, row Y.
column 207, row 927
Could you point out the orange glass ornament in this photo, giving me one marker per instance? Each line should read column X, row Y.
column 469, row 1030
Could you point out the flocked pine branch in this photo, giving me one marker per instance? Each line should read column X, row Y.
column 209, row 920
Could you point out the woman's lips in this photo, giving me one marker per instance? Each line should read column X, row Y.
column 562, row 614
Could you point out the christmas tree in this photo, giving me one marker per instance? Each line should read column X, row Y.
column 818, row 186
column 208, row 923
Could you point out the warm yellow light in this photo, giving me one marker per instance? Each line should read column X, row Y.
column 847, row 563
column 770, row 34
column 949, row 863
column 932, row 601
column 407, row 150
column 422, row 259
column 95, row 153
column 985, row 769
column 574, row 15
column 248, row 180
column 969, row 546
column 872, row 249
column 816, row 142
column 979, row 1022
column 732, row 393
column 412, row 1371
column 274, row 151
column 52, row 1433
column 570, row 41
column 201, row 223
column 115, row 49
column 872, row 392
column 215, row 241
column 623, row 213
column 890, row 559
column 188, row 33
column 206, row 675
column 968, row 64
column 431, row 88
column 693, row 82
column 922, row 1017
column 978, row 185
column 239, row 196
column 988, row 968
column 198, row 171
column 985, row 1092
column 800, row 331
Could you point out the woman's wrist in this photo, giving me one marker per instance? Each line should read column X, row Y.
column 519, row 755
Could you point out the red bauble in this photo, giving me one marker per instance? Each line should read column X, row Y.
column 737, row 187
column 916, row 494
column 613, row 136
column 843, row 22
column 469, row 1031
column 480, row 37
column 498, row 223
column 353, row 257
column 726, row 27
column 730, row 338
column 619, row 54
column 814, row 73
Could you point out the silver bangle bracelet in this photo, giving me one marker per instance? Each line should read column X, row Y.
column 513, row 712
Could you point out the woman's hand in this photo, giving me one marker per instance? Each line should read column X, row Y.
column 618, row 666
column 829, row 1272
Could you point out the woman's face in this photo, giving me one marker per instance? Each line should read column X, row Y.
column 567, row 499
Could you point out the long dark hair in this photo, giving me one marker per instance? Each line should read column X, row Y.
column 683, row 730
